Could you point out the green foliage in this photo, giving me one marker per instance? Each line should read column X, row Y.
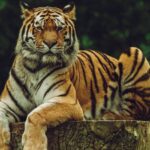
column 2, row 4
column 109, row 26
column 86, row 41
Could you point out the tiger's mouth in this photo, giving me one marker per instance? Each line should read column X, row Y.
column 42, row 53
column 54, row 51
column 34, row 58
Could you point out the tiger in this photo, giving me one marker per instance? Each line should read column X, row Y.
column 52, row 81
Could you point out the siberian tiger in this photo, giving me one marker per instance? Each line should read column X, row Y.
column 51, row 81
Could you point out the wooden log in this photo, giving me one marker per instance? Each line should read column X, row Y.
column 92, row 135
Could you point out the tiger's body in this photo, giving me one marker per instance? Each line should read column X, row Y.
column 51, row 81
column 128, row 95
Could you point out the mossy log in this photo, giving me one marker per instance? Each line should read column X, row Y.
column 92, row 135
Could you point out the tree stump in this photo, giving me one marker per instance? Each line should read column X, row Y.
column 92, row 135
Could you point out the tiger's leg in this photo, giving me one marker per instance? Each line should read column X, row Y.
column 128, row 95
column 4, row 131
column 11, row 111
column 49, row 114
column 7, row 116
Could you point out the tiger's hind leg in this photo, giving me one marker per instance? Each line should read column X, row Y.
column 128, row 95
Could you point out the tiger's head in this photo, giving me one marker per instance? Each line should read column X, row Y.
column 48, row 36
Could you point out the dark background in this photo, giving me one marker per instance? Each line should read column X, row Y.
column 110, row 26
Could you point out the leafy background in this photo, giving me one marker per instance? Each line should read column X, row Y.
column 110, row 26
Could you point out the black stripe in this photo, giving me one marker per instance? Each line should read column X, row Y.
column 103, row 65
column 105, row 101
column 83, row 67
column 92, row 70
column 30, row 38
column 138, row 91
column 128, row 52
column 54, row 15
column 79, row 78
column 70, row 37
column 73, row 73
column 52, row 86
column 108, row 60
column 15, row 101
column 103, row 80
column 147, row 102
column 44, row 15
column 10, row 112
column 93, row 101
column 22, row 32
column 137, row 71
column 146, row 90
column 48, row 74
column 85, row 57
column 60, row 84
column 113, row 90
column 23, row 87
column 129, row 111
column 60, row 74
column 30, row 20
column 144, row 77
column 74, row 36
column 75, row 80
column 40, row 12
column 72, row 31
column 34, row 70
column 99, row 60
column 120, row 67
column 137, row 106
column 67, row 91
column 111, row 77
column 133, row 105
column 27, row 32
column 13, row 111
column 115, row 76
column 133, row 65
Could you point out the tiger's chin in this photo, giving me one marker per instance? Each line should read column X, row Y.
column 36, row 60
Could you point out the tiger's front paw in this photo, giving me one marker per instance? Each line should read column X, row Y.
column 34, row 137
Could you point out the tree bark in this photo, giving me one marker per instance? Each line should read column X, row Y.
column 92, row 135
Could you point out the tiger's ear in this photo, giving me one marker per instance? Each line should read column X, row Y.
column 70, row 10
column 25, row 10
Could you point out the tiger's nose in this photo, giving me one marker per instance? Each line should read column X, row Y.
column 50, row 44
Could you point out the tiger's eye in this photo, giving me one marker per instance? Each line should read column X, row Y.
column 39, row 28
column 59, row 28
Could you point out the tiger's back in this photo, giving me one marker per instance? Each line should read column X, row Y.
column 128, row 95
column 90, row 74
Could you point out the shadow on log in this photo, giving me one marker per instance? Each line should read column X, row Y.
column 92, row 135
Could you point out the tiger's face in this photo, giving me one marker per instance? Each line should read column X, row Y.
column 48, row 36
